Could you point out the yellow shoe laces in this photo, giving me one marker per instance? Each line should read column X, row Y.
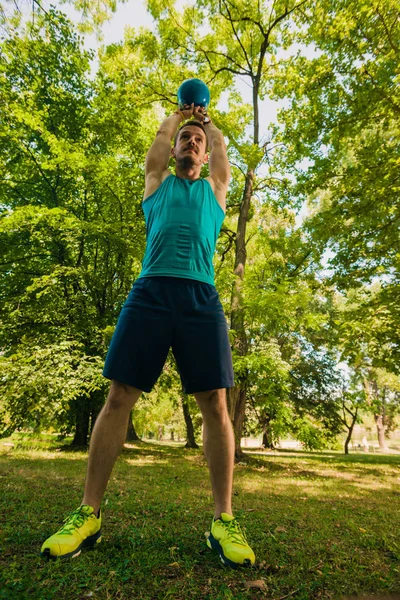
column 235, row 532
column 75, row 520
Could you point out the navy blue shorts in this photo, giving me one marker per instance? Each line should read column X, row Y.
column 170, row 312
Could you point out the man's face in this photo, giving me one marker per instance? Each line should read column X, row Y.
column 191, row 147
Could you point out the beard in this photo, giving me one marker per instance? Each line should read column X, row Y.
column 187, row 162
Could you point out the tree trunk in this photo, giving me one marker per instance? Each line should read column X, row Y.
column 350, row 429
column 131, row 435
column 238, row 421
column 236, row 396
column 97, row 404
column 380, row 426
column 267, row 441
column 348, row 439
column 233, row 402
column 346, row 444
column 190, row 439
column 82, row 417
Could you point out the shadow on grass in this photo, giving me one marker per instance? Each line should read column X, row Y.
column 328, row 457
column 341, row 467
column 144, row 448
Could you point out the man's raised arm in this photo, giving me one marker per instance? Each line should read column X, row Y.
column 219, row 166
column 160, row 151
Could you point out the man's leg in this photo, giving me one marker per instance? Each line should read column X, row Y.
column 82, row 529
column 226, row 536
column 107, row 439
column 219, row 447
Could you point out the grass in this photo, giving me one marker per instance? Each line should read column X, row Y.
column 322, row 525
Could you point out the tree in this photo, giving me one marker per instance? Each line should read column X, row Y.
column 340, row 141
column 47, row 386
column 72, row 233
column 353, row 400
column 382, row 390
column 94, row 14
column 292, row 368
column 373, row 388
column 190, row 429
column 131, row 435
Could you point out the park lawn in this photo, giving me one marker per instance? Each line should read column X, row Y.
column 322, row 525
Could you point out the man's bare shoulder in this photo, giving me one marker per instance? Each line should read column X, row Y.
column 153, row 182
column 219, row 190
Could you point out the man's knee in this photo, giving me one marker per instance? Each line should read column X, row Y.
column 213, row 404
column 121, row 397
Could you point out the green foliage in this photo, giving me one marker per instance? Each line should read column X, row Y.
column 291, row 370
column 309, row 433
column 93, row 14
column 370, row 386
column 159, row 413
column 41, row 383
column 72, row 231
column 342, row 142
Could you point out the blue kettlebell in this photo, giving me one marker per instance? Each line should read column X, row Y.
column 193, row 91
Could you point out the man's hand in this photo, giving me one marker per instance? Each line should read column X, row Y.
column 198, row 112
column 187, row 111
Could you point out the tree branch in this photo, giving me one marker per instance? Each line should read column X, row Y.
column 225, row 252
column 392, row 45
column 229, row 18
column 53, row 191
column 291, row 273
column 250, row 237
column 41, row 7
column 226, row 69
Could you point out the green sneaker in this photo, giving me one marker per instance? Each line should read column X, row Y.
column 80, row 530
column 229, row 541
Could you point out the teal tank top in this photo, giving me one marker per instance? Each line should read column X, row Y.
column 183, row 221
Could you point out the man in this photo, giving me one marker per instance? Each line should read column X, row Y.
column 174, row 304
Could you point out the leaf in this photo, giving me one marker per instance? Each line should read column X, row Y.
column 259, row 584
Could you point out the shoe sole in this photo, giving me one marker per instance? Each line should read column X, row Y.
column 89, row 542
column 214, row 544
